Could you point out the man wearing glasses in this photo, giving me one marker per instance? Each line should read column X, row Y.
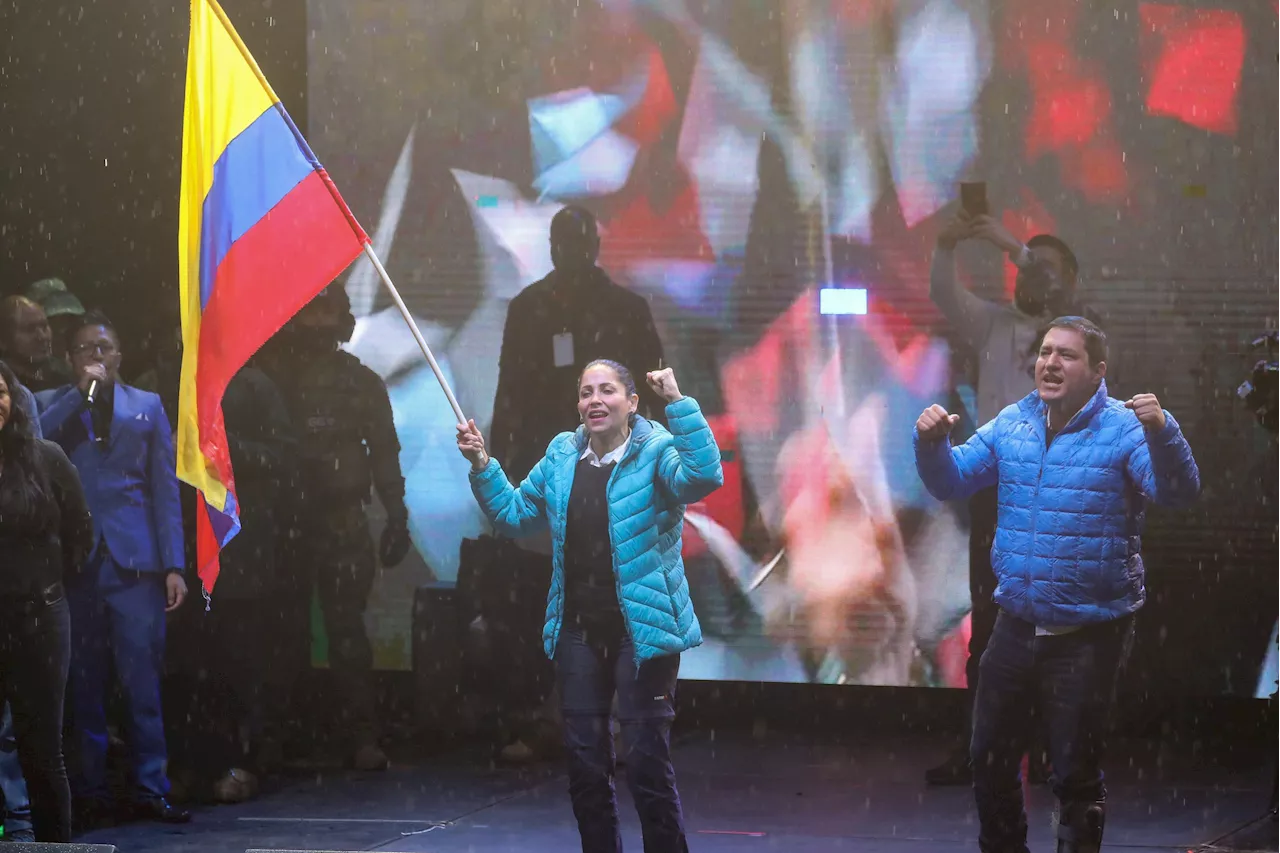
column 119, row 439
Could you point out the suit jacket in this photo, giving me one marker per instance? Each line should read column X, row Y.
column 129, row 481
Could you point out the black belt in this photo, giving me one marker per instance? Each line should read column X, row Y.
column 51, row 594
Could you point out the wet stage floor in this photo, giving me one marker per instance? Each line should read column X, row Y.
column 780, row 792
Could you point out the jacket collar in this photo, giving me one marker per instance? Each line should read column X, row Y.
column 641, row 430
column 1035, row 408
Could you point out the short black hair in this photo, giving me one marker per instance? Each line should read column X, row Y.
column 1095, row 340
column 91, row 318
column 1070, row 265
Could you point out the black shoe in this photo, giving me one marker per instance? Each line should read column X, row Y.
column 954, row 771
column 160, row 810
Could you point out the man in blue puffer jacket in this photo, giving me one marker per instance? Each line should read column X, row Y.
column 1074, row 470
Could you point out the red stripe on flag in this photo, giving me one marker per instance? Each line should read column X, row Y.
column 269, row 274
column 206, row 546
column 213, row 444
column 342, row 205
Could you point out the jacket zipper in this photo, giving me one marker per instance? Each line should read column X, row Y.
column 1042, row 431
column 613, row 553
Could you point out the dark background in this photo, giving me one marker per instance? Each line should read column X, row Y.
column 91, row 146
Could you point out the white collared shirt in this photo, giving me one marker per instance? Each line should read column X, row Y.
column 609, row 458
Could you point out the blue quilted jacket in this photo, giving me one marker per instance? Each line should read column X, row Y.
column 647, row 492
column 1068, row 539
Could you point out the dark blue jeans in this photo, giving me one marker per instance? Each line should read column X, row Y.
column 588, row 672
column 16, row 814
column 35, row 644
column 1071, row 680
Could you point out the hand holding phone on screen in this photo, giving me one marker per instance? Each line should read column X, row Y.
column 973, row 198
column 988, row 228
column 959, row 228
column 976, row 213
column 973, row 206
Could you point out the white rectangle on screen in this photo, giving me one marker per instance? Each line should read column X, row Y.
column 842, row 300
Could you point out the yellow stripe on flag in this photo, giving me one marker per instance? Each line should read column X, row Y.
column 225, row 93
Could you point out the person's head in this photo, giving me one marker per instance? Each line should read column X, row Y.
column 1048, row 284
column 24, row 330
column 1055, row 252
column 326, row 322
column 575, row 242
column 93, row 340
column 60, row 305
column 1072, row 360
column 606, row 399
column 61, row 327
column 24, row 490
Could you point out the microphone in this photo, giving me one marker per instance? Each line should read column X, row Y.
column 99, row 429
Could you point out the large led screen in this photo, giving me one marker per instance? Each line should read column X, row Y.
column 771, row 175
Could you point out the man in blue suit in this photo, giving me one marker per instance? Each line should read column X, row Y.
column 119, row 440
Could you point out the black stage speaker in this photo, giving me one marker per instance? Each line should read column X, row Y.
column 506, row 586
column 438, row 650
column 478, row 644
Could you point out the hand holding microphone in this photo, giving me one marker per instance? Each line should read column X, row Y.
column 92, row 378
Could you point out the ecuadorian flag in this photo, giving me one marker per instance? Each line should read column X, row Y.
column 261, row 231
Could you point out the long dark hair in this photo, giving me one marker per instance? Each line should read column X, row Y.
column 26, row 498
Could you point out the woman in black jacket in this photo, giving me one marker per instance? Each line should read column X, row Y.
column 45, row 532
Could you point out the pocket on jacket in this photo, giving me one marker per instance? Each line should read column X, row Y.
column 1133, row 572
column 672, row 587
column 1117, row 582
